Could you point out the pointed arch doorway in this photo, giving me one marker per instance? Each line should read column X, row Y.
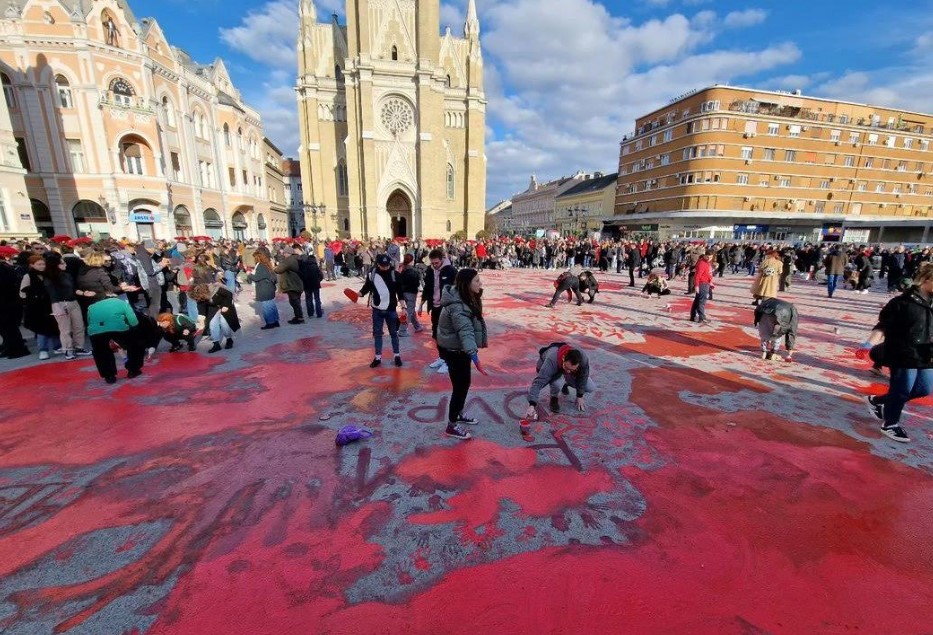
column 399, row 209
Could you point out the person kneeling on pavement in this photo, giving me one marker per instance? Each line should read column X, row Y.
column 569, row 282
column 111, row 324
column 776, row 319
column 177, row 328
column 560, row 363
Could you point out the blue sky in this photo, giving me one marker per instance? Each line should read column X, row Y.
column 566, row 78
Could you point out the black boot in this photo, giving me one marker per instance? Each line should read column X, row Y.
column 215, row 348
column 229, row 343
column 555, row 404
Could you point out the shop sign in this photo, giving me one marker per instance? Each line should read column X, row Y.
column 750, row 229
column 144, row 217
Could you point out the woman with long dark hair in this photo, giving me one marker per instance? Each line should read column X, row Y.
column 265, row 281
column 61, row 288
column 461, row 332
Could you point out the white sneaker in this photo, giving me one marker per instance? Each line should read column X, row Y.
column 437, row 363
column 43, row 355
column 442, row 369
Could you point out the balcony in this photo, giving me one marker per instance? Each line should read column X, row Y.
column 123, row 102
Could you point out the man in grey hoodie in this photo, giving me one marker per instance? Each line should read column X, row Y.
column 555, row 362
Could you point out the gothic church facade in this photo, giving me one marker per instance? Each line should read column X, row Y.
column 393, row 122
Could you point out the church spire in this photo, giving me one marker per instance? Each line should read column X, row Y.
column 471, row 28
column 307, row 11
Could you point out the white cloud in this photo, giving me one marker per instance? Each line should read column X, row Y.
column 452, row 16
column 746, row 18
column 267, row 35
column 910, row 88
column 562, row 93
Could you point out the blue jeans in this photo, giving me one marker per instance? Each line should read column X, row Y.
column 313, row 302
column 47, row 343
column 219, row 328
column 269, row 311
column 230, row 280
column 192, row 310
column 390, row 319
column 905, row 384
column 831, row 282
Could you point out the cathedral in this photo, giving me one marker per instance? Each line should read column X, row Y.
column 393, row 122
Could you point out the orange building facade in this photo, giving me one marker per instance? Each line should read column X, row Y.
column 736, row 163
column 122, row 134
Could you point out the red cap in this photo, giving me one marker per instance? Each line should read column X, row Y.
column 8, row 252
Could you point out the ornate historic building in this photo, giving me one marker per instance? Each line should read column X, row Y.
column 122, row 134
column 393, row 121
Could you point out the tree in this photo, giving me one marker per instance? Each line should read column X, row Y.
column 482, row 234
column 459, row 235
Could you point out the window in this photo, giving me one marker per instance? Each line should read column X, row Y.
column 245, row 179
column 879, row 187
column 132, row 158
column 862, row 186
column 843, row 119
column 872, row 139
column 122, row 91
column 76, row 155
column 839, row 208
column 169, row 110
column 709, row 106
column 769, row 154
column 394, row 53
column 741, row 179
column 176, row 166
column 784, row 181
column 626, row 149
column 638, row 145
column 834, row 135
column 751, row 127
column 201, row 126
column 665, row 159
column 773, row 129
column 343, row 181
column 450, row 183
column 747, row 152
column 793, row 131
column 830, row 159
column 824, row 184
column 23, row 155
column 63, row 89
column 849, row 161
column 902, row 166
column 890, row 141
column 908, row 143
column 790, row 155
column 819, row 207
column 897, row 189
column 231, row 173
column 668, row 135
column 854, row 137
column 338, row 74
column 8, row 93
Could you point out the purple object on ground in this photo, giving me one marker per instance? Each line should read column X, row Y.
column 349, row 434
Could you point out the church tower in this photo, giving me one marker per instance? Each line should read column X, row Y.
column 393, row 122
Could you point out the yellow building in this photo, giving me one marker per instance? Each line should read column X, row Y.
column 727, row 162
column 122, row 134
column 277, row 223
column 393, row 121
column 582, row 208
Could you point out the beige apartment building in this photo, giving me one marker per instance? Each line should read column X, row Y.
column 393, row 121
column 727, row 162
column 123, row 135
column 580, row 209
column 277, row 224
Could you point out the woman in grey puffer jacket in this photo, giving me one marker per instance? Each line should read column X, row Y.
column 461, row 332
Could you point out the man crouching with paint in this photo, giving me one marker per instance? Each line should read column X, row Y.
column 556, row 362
column 571, row 283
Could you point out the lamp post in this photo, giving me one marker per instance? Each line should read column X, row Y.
column 315, row 209
column 108, row 209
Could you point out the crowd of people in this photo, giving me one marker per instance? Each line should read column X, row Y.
column 108, row 298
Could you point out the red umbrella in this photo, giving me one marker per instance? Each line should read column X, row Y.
column 202, row 239
column 60, row 238
column 336, row 245
column 84, row 240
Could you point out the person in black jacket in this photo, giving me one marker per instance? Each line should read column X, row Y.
column 222, row 319
column 634, row 263
column 385, row 296
column 311, row 277
column 410, row 281
column 11, row 306
column 37, row 307
column 437, row 278
column 568, row 282
column 906, row 326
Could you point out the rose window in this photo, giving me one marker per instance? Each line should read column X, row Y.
column 397, row 116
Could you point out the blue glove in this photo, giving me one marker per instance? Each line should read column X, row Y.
column 479, row 367
column 475, row 357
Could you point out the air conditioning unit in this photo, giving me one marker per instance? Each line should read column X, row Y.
column 855, row 145
column 748, row 161
column 852, row 181
column 747, row 135
column 838, row 143
column 805, row 128
column 832, row 179
column 747, row 199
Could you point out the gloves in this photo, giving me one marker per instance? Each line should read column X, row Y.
column 476, row 362
column 861, row 352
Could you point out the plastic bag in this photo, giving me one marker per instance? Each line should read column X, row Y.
column 349, row 434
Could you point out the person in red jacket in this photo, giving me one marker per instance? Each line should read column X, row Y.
column 704, row 279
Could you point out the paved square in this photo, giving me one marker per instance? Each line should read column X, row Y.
column 704, row 491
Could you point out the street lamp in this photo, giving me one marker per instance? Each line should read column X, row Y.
column 315, row 209
column 108, row 209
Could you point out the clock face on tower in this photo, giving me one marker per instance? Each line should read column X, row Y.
column 397, row 116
